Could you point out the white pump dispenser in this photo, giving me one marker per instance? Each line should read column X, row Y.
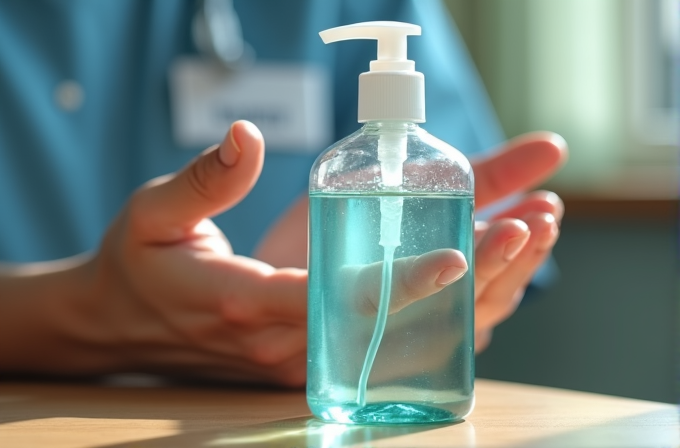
column 392, row 89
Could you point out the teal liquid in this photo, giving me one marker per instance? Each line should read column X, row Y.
column 424, row 364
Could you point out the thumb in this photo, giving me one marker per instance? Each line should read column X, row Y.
column 168, row 207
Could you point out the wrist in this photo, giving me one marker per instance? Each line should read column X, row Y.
column 50, row 319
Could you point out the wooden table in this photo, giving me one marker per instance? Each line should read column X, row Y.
column 506, row 414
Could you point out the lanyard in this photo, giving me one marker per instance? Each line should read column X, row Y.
column 217, row 33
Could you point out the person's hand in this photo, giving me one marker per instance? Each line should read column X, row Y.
column 165, row 293
column 509, row 247
column 512, row 245
column 172, row 298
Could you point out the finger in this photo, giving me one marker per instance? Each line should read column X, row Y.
column 242, row 290
column 480, row 230
column 285, row 296
column 504, row 293
column 482, row 340
column 523, row 163
column 259, row 342
column 265, row 295
column 285, row 244
column 501, row 244
column 275, row 345
column 535, row 202
column 414, row 278
column 167, row 207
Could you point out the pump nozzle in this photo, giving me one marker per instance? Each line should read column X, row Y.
column 391, row 37
column 392, row 89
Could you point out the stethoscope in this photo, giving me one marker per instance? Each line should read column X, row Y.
column 217, row 33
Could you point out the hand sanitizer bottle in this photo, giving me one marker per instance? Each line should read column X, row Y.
column 386, row 345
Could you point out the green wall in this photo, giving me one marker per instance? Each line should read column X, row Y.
column 567, row 66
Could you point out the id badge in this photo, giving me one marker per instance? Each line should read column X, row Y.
column 291, row 104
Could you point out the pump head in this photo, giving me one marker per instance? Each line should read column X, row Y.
column 391, row 37
column 392, row 89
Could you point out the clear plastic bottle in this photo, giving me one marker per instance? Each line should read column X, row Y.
column 382, row 196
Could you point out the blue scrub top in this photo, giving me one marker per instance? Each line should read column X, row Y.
column 64, row 175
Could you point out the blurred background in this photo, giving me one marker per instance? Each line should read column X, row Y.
column 603, row 74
